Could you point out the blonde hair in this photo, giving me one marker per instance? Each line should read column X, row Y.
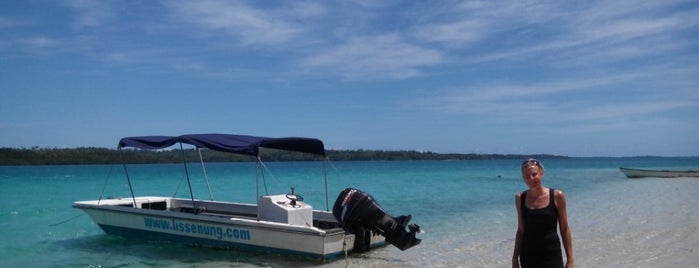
column 532, row 162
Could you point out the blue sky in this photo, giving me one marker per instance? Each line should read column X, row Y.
column 578, row 78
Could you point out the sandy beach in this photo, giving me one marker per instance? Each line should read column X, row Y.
column 636, row 223
column 642, row 223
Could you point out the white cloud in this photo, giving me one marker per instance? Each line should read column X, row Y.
column 559, row 32
column 41, row 42
column 155, row 60
column 453, row 33
column 251, row 25
column 11, row 23
column 93, row 13
column 509, row 91
column 616, row 31
column 379, row 56
column 574, row 99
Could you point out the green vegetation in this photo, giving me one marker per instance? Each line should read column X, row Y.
column 92, row 155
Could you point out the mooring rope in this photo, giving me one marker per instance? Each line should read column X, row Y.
column 74, row 217
column 106, row 181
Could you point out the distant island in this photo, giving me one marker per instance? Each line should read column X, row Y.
column 93, row 155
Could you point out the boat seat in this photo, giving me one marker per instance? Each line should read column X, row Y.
column 155, row 205
column 187, row 208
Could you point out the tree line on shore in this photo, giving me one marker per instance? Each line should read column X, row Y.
column 93, row 155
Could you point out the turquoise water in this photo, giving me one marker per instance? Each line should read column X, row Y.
column 465, row 207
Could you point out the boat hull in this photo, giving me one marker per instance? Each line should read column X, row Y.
column 217, row 230
column 644, row 173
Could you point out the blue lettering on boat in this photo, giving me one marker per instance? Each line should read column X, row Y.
column 195, row 228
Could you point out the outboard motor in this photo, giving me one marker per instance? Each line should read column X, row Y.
column 360, row 214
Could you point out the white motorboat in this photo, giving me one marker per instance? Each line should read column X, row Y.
column 658, row 173
column 280, row 223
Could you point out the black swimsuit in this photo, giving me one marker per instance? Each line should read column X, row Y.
column 540, row 246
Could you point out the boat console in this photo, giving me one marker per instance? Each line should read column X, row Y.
column 285, row 208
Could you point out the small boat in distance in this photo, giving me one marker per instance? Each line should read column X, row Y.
column 277, row 223
column 656, row 173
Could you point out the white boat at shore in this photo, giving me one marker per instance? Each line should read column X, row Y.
column 281, row 223
column 656, row 173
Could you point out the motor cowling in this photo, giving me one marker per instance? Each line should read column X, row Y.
column 360, row 214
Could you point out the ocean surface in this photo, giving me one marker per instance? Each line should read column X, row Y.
column 466, row 209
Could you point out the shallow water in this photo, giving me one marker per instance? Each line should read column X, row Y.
column 465, row 207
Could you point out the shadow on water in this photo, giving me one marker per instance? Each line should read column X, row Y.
column 114, row 251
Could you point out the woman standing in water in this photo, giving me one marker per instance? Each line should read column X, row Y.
column 540, row 211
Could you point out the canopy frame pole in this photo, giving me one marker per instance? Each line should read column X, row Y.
column 257, row 178
column 262, row 172
column 206, row 178
column 128, row 178
column 325, row 177
column 186, row 172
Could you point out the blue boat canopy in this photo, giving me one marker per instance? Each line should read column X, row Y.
column 148, row 142
column 238, row 144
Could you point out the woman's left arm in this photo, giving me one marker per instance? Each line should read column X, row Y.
column 560, row 201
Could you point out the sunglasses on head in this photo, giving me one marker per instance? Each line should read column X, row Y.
column 530, row 162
